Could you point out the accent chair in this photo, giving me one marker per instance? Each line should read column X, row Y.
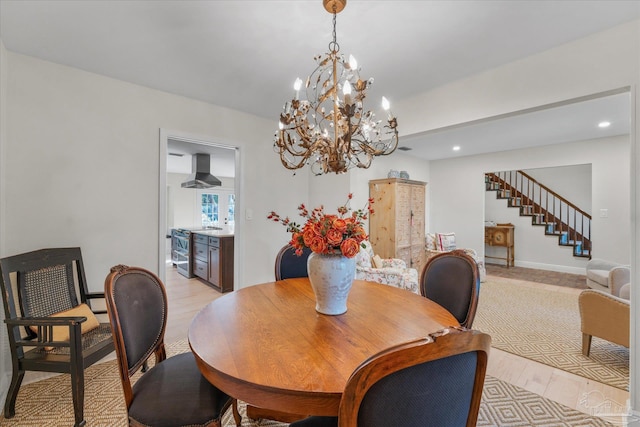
column 604, row 315
column 50, row 322
column 606, row 275
column 388, row 271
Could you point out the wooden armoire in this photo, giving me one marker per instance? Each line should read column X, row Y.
column 397, row 225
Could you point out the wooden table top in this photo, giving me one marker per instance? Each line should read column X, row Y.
column 266, row 344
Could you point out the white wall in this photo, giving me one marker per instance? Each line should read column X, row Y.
column 84, row 167
column 573, row 181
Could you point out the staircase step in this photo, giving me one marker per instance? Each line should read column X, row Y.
column 528, row 207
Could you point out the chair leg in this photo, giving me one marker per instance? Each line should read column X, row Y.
column 12, row 393
column 586, row 344
column 236, row 413
column 77, row 390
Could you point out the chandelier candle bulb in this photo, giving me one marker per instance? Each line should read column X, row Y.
column 386, row 107
column 353, row 64
column 297, row 85
column 346, row 90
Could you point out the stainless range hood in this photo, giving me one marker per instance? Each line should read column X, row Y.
column 201, row 173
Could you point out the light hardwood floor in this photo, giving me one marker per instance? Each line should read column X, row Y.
column 187, row 296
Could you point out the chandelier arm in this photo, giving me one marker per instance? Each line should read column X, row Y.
column 289, row 164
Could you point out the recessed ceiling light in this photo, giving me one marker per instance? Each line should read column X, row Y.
column 604, row 124
column 456, row 148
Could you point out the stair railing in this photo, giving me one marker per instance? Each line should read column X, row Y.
column 571, row 224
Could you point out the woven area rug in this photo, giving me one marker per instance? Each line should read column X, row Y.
column 47, row 403
column 544, row 326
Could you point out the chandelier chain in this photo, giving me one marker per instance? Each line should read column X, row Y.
column 333, row 45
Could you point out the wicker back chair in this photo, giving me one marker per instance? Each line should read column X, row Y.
column 35, row 286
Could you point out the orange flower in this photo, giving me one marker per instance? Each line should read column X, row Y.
column 350, row 248
column 328, row 233
column 334, row 237
column 340, row 225
column 318, row 245
column 308, row 234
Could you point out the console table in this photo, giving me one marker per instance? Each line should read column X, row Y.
column 501, row 236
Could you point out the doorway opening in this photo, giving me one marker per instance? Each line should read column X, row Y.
column 195, row 208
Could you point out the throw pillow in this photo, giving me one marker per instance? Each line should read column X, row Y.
column 376, row 261
column 363, row 259
column 431, row 241
column 61, row 333
column 445, row 241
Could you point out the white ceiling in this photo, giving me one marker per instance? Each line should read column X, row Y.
column 245, row 55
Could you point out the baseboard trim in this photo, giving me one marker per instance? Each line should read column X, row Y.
column 549, row 267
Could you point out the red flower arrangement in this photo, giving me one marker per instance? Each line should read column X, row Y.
column 328, row 234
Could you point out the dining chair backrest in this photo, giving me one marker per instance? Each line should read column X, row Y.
column 137, row 306
column 434, row 381
column 289, row 265
column 452, row 279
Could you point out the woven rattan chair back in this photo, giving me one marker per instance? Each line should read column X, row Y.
column 36, row 285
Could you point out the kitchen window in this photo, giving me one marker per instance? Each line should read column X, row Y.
column 217, row 208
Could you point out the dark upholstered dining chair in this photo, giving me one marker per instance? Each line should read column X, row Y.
column 50, row 323
column 173, row 392
column 289, row 265
column 431, row 382
column 452, row 280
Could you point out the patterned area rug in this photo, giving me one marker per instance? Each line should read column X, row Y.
column 47, row 403
column 543, row 326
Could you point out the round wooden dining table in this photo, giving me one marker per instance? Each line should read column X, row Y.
column 266, row 344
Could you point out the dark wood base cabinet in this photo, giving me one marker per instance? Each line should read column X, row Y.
column 213, row 260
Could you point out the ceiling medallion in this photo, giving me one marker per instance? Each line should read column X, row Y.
column 325, row 124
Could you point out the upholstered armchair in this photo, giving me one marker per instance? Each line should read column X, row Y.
column 605, row 315
column 390, row 271
column 607, row 276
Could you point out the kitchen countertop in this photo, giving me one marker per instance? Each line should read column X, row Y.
column 225, row 232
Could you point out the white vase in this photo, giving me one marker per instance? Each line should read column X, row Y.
column 331, row 277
